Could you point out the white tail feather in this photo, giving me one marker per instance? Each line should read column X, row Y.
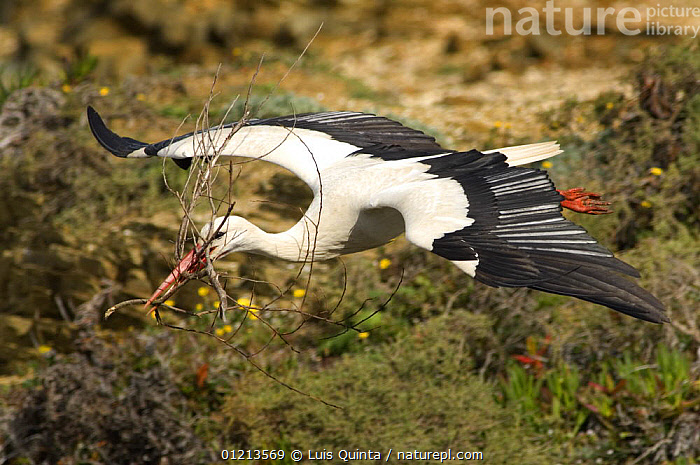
column 523, row 154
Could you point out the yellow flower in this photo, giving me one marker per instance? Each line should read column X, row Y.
column 384, row 263
column 104, row 91
column 227, row 328
column 219, row 332
column 199, row 307
column 236, row 51
column 245, row 302
column 547, row 164
column 44, row 349
column 656, row 171
column 153, row 314
column 217, row 304
column 140, row 97
column 66, row 88
column 203, row 291
column 507, row 125
column 497, row 124
column 169, row 303
column 609, row 105
column 579, row 119
column 645, row 204
column 299, row 293
column 364, row 335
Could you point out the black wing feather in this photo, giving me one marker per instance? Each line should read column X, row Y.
column 521, row 238
column 362, row 130
column 123, row 146
column 117, row 145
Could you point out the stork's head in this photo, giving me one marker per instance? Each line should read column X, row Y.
column 224, row 235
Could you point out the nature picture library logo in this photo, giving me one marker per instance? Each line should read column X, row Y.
column 653, row 20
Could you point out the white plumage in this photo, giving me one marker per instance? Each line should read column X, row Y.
column 373, row 179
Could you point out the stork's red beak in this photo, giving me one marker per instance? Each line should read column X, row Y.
column 190, row 263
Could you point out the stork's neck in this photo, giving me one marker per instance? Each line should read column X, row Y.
column 291, row 245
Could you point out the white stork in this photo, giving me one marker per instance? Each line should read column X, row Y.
column 373, row 179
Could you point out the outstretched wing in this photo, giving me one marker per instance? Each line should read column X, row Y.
column 503, row 226
column 362, row 130
column 304, row 144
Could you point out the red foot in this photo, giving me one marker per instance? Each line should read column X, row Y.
column 584, row 202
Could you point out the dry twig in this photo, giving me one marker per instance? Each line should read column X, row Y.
column 201, row 187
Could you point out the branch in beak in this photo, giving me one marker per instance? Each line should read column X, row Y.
column 190, row 263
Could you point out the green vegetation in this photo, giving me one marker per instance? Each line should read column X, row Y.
column 79, row 68
column 419, row 392
column 630, row 402
column 15, row 78
column 436, row 361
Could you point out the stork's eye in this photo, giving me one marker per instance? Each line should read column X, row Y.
column 219, row 235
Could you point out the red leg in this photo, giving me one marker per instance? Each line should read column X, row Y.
column 578, row 200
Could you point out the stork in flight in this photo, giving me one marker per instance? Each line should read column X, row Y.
column 373, row 179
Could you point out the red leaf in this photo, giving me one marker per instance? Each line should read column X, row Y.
column 592, row 408
column 525, row 359
column 620, row 385
column 545, row 344
column 598, row 387
column 202, row 373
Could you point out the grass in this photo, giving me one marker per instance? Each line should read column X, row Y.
column 447, row 363
column 15, row 78
column 621, row 399
column 428, row 399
